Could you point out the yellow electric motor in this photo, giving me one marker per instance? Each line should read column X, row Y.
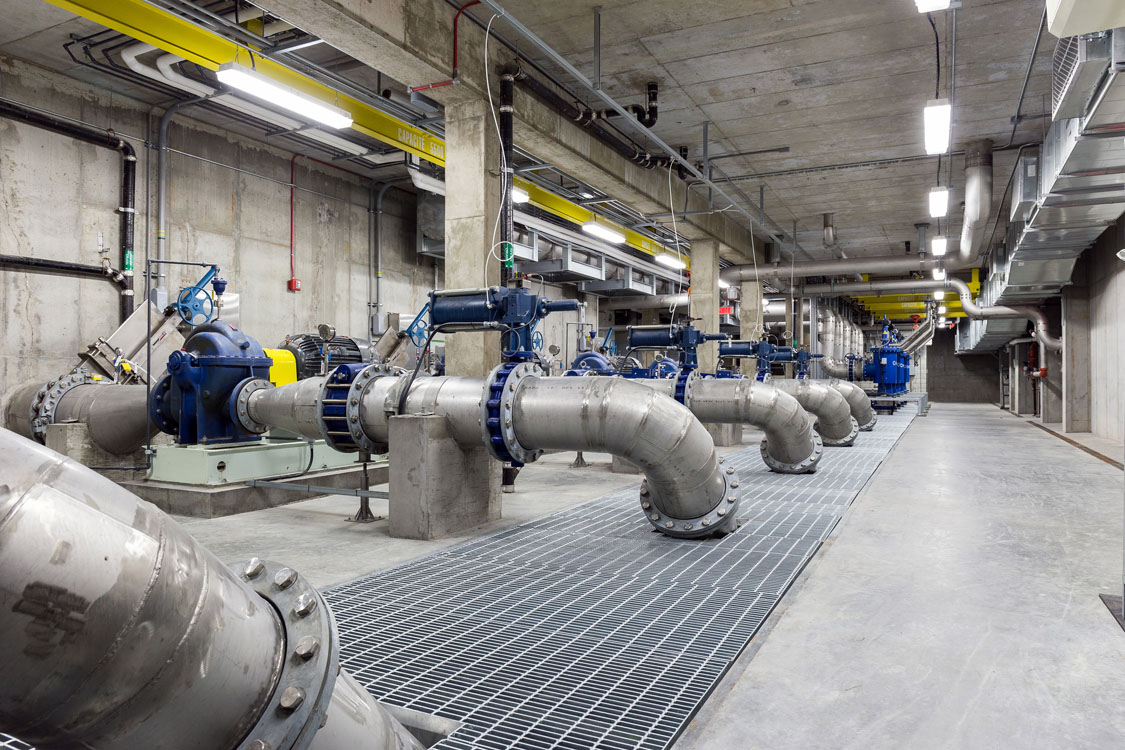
column 284, row 368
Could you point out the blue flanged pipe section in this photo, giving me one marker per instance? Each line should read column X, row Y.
column 339, row 403
column 496, row 416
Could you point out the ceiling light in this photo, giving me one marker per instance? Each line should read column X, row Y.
column 942, row 310
column 942, row 321
column 519, row 195
column 603, row 232
column 586, row 196
column 254, row 83
column 724, row 284
column 929, row 6
column 939, row 295
column 938, row 246
column 939, row 202
column 672, row 261
column 937, row 118
column 939, row 274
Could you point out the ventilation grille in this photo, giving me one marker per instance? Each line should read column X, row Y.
column 1064, row 65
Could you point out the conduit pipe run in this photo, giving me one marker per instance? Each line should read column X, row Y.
column 834, row 419
column 90, row 573
column 791, row 445
column 686, row 492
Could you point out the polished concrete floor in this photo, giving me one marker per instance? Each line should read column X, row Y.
column 955, row 606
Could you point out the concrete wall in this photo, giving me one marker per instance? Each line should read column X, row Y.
column 1107, row 332
column 57, row 194
column 966, row 378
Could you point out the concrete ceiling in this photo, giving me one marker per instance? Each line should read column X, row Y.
column 837, row 81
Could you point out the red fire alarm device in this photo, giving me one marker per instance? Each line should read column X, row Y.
column 294, row 285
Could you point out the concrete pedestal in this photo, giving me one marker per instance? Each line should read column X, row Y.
column 436, row 486
column 621, row 466
column 725, row 435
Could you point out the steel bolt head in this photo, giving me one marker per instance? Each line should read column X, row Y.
column 306, row 603
column 284, row 578
column 644, row 491
column 646, row 506
column 259, row 745
column 722, row 511
column 292, row 698
column 253, row 568
column 706, row 522
column 734, row 485
column 722, row 459
column 730, row 470
column 732, row 499
column 307, row 647
column 668, row 524
column 655, row 516
column 687, row 527
column 355, row 402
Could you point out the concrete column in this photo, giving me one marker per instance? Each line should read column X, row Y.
column 705, row 297
column 1076, row 352
column 751, row 310
column 1051, row 389
column 472, row 201
column 1022, row 389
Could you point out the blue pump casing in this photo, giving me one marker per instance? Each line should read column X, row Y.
column 195, row 401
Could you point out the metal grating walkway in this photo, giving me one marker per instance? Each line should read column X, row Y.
column 586, row 629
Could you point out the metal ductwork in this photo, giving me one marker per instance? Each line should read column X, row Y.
column 791, row 445
column 834, row 419
column 978, row 199
column 686, row 492
column 124, row 632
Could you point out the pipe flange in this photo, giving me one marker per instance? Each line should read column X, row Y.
column 309, row 663
column 719, row 520
column 870, row 425
column 845, row 441
column 339, row 405
column 684, row 380
column 239, row 406
column 496, row 412
column 805, row 466
column 42, row 410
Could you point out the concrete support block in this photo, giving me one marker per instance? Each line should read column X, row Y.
column 437, row 487
column 1076, row 359
column 621, row 466
column 751, row 310
column 472, row 201
column 705, row 297
column 725, row 435
column 73, row 441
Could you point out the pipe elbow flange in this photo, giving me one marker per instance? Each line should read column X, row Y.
column 804, row 466
column 240, row 411
column 339, row 406
column 719, row 520
column 870, row 425
column 847, row 440
column 42, row 410
column 496, row 412
column 309, row 662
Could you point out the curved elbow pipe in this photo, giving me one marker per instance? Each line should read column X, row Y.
column 973, row 310
column 834, row 368
column 122, row 631
column 834, row 419
column 858, row 402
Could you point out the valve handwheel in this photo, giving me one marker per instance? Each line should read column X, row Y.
column 193, row 303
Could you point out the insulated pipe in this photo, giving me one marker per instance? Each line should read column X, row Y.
column 978, row 199
column 122, row 631
column 880, row 265
column 650, row 302
column 858, row 402
column 791, row 445
column 834, row 419
column 126, row 205
column 904, row 286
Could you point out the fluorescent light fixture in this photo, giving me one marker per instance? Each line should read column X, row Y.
column 667, row 259
column 942, row 321
column 586, row 196
column 937, row 118
column 603, row 232
column 939, row 295
column 942, row 310
column 939, row 202
column 939, row 274
column 423, row 181
column 938, row 246
column 930, row 6
column 257, row 85
column 519, row 195
column 724, row 284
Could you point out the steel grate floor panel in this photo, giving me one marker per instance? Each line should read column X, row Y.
column 586, row 629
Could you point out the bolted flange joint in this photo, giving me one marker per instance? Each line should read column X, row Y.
column 804, row 466
column 239, row 404
column 496, row 412
column 339, row 407
column 42, row 410
column 845, row 441
column 718, row 521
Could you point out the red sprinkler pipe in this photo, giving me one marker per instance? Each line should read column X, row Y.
column 454, row 77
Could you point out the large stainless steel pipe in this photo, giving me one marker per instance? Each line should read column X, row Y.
column 858, row 402
column 834, row 367
column 122, row 631
column 791, row 444
column 978, row 199
column 834, row 419
column 115, row 415
column 879, row 265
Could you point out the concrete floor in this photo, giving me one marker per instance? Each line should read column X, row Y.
column 956, row 606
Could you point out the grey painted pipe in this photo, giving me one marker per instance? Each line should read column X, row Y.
column 791, row 444
column 121, row 631
column 858, row 402
column 834, row 419
column 115, row 415
column 885, row 265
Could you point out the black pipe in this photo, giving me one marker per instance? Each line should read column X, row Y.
column 105, row 139
column 63, row 268
column 646, row 117
column 507, row 231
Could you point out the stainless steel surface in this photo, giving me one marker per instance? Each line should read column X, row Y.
column 834, row 419
column 881, row 265
column 858, row 402
column 978, row 200
column 115, row 415
column 130, row 338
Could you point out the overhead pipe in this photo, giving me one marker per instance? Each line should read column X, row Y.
column 791, row 444
column 834, row 419
column 978, row 199
column 65, row 268
column 686, row 492
column 646, row 117
column 879, row 265
column 128, row 192
column 507, row 172
column 122, row 631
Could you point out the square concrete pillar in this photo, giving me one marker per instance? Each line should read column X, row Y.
column 705, row 297
column 1076, row 353
column 437, row 487
column 751, row 310
column 1021, row 386
column 472, row 201
column 1051, row 388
